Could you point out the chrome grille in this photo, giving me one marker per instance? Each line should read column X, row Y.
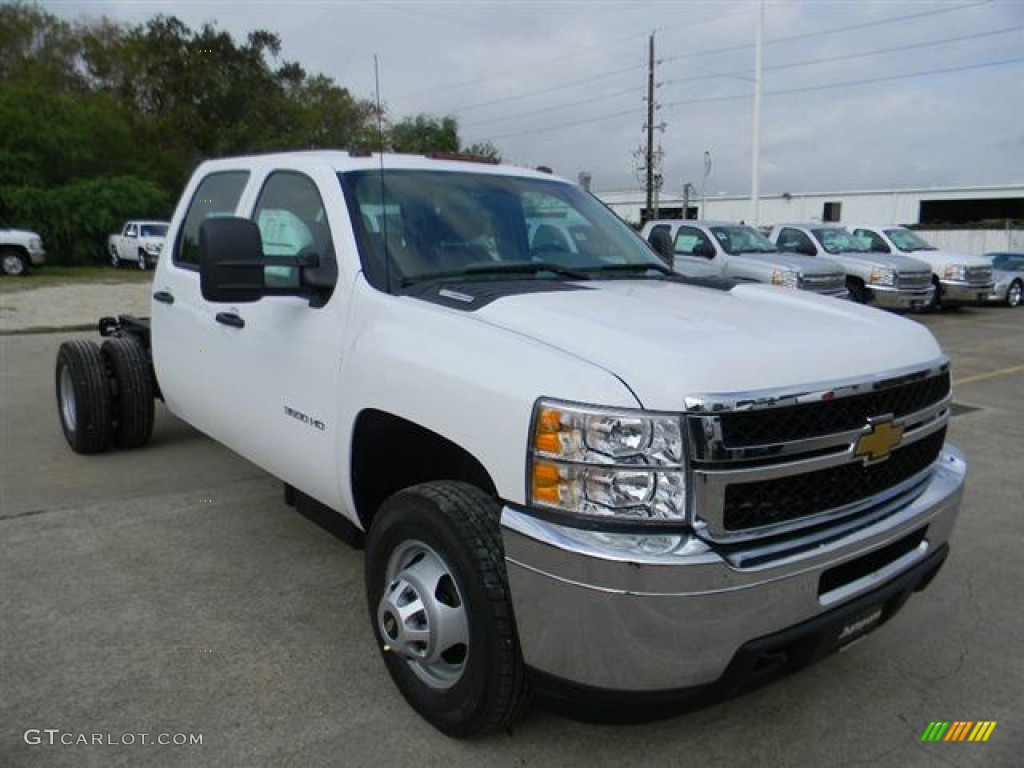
column 913, row 280
column 766, row 464
column 825, row 283
column 979, row 275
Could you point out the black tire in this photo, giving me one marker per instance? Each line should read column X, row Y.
column 935, row 303
column 13, row 263
column 1015, row 294
column 83, row 396
column 132, row 392
column 115, row 260
column 445, row 537
column 858, row 292
column 143, row 264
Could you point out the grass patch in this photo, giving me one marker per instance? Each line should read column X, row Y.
column 40, row 277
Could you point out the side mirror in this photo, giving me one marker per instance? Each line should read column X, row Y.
column 704, row 250
column 231, row 260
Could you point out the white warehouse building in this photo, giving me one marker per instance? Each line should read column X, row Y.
column 967, row 219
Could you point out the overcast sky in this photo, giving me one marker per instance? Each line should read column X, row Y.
column 858, row 94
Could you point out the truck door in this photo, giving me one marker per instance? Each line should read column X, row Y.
column 695, row 253
column 262, row 377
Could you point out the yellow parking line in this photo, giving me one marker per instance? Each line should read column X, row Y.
column 989, row 375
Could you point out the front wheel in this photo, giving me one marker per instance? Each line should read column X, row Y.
column 858, row 292
column 115, row 260
column 143, row 264
column 13, row 263
column 1014, row 294
column 440, row 609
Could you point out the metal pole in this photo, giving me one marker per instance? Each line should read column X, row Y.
column 649, row 160
column 755, row 171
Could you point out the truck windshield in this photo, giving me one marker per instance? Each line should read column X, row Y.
column 433, row 225
column 835, row 240
column 153, row 230
column 742, row 239
column 906, row 240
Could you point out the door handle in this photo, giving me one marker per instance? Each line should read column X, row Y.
column 164, row 296
column 230, row 318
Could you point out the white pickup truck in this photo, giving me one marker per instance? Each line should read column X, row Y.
column 20, row 249
column 887, row 280
column 958, row 278
column 605, row 483
column 139, row 242
column 739, row 252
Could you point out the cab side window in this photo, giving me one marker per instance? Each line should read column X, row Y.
column 292, row 221
column 693, row 242
column 795, row 241
column 216, row 195
column 872, row 240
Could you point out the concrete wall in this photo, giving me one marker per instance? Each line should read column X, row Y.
column 869, row 207
column 975, row 241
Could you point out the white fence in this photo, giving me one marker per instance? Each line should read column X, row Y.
column 975, row 241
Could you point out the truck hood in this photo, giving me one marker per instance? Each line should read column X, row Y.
column 878, row 259
column 667, row 341
column 943, row 258
column 805, row 265
column 22, row 235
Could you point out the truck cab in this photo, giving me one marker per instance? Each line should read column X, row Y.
column 886, row 280
column 739, row 252
column 958, row 278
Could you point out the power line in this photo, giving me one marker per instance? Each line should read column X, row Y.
column 848, row 56
column 789, row 38
column 739, row 73
column 832, row 31
column 781, row 92
column 577, row 52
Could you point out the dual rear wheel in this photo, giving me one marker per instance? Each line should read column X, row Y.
column 104, row 394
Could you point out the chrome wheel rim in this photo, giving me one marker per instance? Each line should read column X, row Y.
column 68, row 409
column 421, row 615
column 1013, row 295
column 13, row 265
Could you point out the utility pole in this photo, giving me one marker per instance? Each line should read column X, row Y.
column 649, row 160
column 755, row 150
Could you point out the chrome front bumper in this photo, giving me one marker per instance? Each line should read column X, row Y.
column 631, row 613
column 966, row 292
column 897, row 298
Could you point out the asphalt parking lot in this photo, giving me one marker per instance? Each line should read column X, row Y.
column 169, row 591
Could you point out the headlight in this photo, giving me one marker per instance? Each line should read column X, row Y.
column 607, row 462
column 152, row 248
column 883, row 276
column 35, row 243
column 787, row 277
column 956, row 272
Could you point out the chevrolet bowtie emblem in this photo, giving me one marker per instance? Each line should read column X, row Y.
column 880, row 437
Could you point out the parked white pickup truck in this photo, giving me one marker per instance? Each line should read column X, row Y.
column 139, row 242
column 739, row 252
column 603, row 482
column 957, row 277
column 20, row 249
column 886, row 280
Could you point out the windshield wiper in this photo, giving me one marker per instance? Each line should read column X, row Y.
column 499, row 268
